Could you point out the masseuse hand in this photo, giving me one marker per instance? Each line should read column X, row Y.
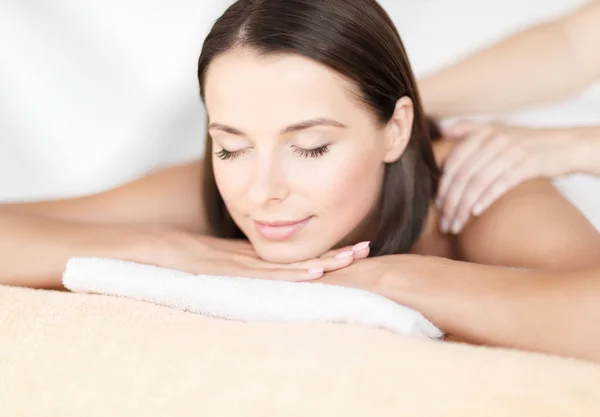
column 492, row 159
column 199, row 254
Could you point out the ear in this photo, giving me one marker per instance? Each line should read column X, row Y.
column 398, row 130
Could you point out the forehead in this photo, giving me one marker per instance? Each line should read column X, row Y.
column 243, row 85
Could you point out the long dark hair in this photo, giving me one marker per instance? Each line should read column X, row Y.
column 357, row 39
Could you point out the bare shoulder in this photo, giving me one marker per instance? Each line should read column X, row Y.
column 533, row 225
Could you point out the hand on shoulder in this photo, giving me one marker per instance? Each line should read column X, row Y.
column 487, row 160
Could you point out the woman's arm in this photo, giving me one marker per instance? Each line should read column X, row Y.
column 543, row 63
column 34, row 250
column 168, row 197
column 539, row 291
column 37, row 239
column 552, row 312
column 532, row 281
column 157, row 220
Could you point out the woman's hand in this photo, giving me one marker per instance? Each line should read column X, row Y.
column 489, row 305
column 372, row 274
column 492, row 159
column 200, row 254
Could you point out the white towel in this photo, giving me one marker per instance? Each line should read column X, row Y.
column 244, row 299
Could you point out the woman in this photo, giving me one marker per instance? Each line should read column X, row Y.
column 317, row 141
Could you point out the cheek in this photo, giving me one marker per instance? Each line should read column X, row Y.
column 350, row 188
column 222, row 178
column 230, row 178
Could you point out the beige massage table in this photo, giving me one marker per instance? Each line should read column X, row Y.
column 64, row 354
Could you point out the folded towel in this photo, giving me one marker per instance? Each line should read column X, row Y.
column 244, row 299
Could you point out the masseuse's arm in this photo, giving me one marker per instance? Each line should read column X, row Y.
column 543, row 63
column 37, row 239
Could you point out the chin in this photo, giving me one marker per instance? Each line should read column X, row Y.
column 282, row 253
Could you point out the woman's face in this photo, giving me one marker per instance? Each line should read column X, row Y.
column 298, row 159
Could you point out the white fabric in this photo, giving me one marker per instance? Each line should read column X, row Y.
column 96, row 93
column 244, row 299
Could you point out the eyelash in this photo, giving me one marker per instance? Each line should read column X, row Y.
column 304, row 153
column 225, row 155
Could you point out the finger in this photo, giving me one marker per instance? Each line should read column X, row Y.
column 235, row 269
column 341, row 260
column 461, row 153
column 334, row 252
column 475, row 187
column 456, row 187
column 501, row 186
column 464, row 150
column 280, row 274
column 361, row 250
column 294, row 275
column 466, row 158
column 474, row 178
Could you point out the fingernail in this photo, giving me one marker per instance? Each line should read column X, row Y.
column 456, row 226
column 445, row 225
column 477, row 210
column 316, row 271
column 360, row 246
column 344, row 255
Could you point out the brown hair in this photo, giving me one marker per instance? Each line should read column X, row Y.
column 357, row 39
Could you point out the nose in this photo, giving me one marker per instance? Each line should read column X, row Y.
column 267, row 183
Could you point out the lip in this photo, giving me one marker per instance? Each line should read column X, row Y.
column 280, row 230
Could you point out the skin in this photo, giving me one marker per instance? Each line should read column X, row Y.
column 492, row 159
column 269, row 173
column 473, row 302
column 539, row 64
column 270, row 178
column 477, row 300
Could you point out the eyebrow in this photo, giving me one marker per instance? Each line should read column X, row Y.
column 296, row 127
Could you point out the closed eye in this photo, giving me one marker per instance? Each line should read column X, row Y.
column 225, row 154
column 311, row 153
